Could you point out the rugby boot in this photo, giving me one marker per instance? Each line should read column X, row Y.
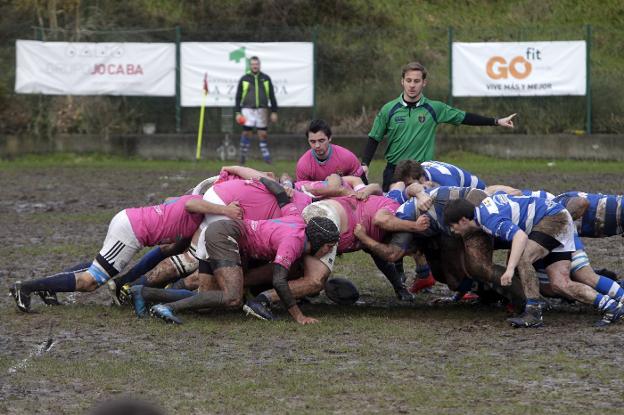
column 610, row 317
column 163, row 312
column 124, row 295
column 469, row 297
column 531, row 317
column 21, row 297
column 403, row 294
column 258, row 310
column 420, row 284
column 111, row 286
column 605, row 321
column 48, row 297
column 618, row 313
column 138, row 301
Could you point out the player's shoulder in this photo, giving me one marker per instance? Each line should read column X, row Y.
column 343, row 150
column 305, row 157
column 388, row 106
column 246, row 77
column 435, row 104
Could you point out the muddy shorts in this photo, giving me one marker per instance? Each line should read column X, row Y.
column 556, row 234
column 222, row 243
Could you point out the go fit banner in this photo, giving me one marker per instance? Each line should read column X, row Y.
column 519, row 68
column 290, row 65
column 77, row 68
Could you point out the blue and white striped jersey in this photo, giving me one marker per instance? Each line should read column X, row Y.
column 446, row 174
column 441, row 196
column 604, row 217
column 503, row 215
column 397, row 195
column 543, row 194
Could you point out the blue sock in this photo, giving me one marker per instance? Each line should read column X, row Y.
column 609, row 287
column 605, row 303
column 532, row 302
column 465, row 285
column 142, row 280
column 149, row 261
column 422, row 270
column 244, row 147
column 59, row 283
column 264, row 149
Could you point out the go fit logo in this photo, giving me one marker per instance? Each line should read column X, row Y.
column 518, row 67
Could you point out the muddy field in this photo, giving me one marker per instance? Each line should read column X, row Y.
column 379, row 356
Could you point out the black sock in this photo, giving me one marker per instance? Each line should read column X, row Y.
column 61, row 282
column 201, row 300
column 160, row 295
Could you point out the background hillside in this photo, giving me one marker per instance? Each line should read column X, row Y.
column 361, row 47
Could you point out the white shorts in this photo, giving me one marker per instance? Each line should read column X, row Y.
column 566, row 236
column 325, row 210
column 120, row 245
column 212, row 197
column 256, row 117
column 204, row 185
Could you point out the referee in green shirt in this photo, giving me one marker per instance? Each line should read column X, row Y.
column 410, row 123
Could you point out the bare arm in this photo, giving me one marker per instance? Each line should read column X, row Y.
column 388, row 252
column 369, row 190
column 353, row 181
column 417, row 190
column 518, row 243
column 233, row 210
column 334, row 188
column 388, row 222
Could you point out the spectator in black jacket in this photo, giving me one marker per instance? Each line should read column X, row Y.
column 253, row 96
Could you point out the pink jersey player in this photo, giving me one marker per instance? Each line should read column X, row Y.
column 255, row 200
column 165, row 223
column 363, row 212
column 339, row 160
column 279, row 240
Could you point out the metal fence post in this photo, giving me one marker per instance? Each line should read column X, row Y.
column 588, row 95
column 450, row 65
column 314, row 40
column 178, row 109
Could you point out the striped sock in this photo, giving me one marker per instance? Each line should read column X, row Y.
column 264, row 149
column 244, row 148
column 609, row 287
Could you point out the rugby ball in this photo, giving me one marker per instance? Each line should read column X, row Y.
column 341, row 291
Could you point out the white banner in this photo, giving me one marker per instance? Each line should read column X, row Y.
column 519, row 68
column 64, row 68
column 290, row 65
